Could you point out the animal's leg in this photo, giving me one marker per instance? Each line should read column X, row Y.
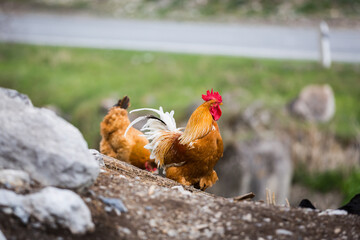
column 208, row 180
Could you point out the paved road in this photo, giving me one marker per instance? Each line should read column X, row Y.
column 203, row 38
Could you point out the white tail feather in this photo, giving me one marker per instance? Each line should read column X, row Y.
column 154, row 129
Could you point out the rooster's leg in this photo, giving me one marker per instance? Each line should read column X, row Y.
column 208, row 180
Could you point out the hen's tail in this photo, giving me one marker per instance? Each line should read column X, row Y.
column 123, row 103
column 160, row 131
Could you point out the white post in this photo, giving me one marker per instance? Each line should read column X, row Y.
column 325, row 54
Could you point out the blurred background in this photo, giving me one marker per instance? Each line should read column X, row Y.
column 289, row 73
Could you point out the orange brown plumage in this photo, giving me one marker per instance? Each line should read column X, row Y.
column 188, row 157
column 129, row 149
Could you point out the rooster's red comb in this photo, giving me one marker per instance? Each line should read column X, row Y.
column 212, row 95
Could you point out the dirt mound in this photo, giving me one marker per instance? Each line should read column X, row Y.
column 158, row 208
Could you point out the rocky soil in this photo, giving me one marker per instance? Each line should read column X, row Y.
column 129, row 203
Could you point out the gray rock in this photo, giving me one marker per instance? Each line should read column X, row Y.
column 16, row 96
column 14, row 179
column 114, row 203
column 37, row 141
column 283, row 232
column 253, row 167
column 314, row 103
column 2, row 236
column 98, row 157
column 51, row 206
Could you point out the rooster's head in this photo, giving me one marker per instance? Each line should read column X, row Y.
column 216, row 100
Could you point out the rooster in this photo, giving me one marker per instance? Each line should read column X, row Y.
column 188, row 156
column 114, row 144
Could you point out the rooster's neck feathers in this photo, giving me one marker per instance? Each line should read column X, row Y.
column 199, row 124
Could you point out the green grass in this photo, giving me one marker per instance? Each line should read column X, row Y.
column 76, row 80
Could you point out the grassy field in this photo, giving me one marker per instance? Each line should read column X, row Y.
column 76, row 80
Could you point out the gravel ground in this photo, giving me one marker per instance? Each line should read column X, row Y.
column 158, row 208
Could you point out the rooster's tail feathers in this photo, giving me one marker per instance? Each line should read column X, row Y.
column 158, row 130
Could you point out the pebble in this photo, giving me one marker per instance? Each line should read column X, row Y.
column 218, row 215
column 267, row 220
column 141, row 234
column 151, row 190
column 332, row 212
column 7, row 210
column 182, row 190
column 36, row 225
column 152, row 223
column 220, row 230
column 247, row 217
column 201, row 226
column 281, row 231
column 114, row 203
column 124, row 230
column 208, row 233
column 337, row 230
column 148, row 208
column 108, row 209
column 172, row 233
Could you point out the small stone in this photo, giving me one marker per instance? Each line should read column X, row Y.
column 172, row 233
column 36, row 225
column 337, row 230
column 114, row 203
column 13, row 179
column 7, row 210
column 117, row 211
column 151, row 190
column 148, row 208
column 208, row 233
column 267, row 220
column 281, row 231
column 220, row 230
column 124, row 230
column 22, row 214
column 108, row 209
column 331, row 212
column 141, row 234
column 247, row 217
column 152, row 223
column 201, row 226
column 182, row 190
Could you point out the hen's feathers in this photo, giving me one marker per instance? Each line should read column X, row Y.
column 123, row 103
column 113, row 142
